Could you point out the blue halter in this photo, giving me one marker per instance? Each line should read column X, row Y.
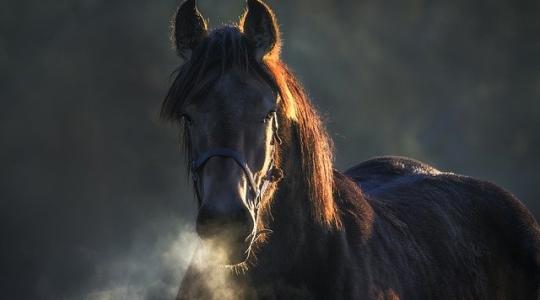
column 257, row 191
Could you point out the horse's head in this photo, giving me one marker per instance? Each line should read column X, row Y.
column 229, row 105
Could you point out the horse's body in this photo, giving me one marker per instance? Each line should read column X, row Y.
column 409, row 232
column 439, row 235
column 388, row 228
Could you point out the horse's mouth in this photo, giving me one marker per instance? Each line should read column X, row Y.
column 225, row 252
column 250, row 241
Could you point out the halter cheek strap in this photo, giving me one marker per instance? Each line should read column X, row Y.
column 257, row 191
column 239, row 159
column 228, row 153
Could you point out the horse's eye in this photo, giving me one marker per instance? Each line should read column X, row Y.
column 187, row 119
column 269, row 116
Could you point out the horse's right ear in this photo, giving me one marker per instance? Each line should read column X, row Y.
column 189, row 29
column 260, row 28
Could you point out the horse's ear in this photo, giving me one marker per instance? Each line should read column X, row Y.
column 189, row 28
column 260, row 28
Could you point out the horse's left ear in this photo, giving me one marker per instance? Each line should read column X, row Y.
column 260, row 28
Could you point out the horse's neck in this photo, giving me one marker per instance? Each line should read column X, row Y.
column 297, row 238
column 290, row 219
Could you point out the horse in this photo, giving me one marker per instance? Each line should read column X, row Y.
column 277, row 221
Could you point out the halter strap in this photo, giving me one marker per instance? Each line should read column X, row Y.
column 228, row 153
column 257, row 191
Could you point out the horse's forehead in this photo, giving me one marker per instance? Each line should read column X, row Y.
column 241, row 91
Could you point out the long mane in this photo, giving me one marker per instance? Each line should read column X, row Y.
column 225, row 48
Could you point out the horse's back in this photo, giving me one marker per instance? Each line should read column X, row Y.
column 379, row 171
column 467, row 227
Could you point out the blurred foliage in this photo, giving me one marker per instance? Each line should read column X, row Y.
column 89, row 172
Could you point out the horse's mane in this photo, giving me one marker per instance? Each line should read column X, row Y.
column 226, row 47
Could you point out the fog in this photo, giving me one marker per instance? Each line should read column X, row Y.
column 94, row 201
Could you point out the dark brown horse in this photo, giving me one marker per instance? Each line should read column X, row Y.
column 278, row 222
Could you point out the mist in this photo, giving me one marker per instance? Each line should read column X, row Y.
column 95, row 203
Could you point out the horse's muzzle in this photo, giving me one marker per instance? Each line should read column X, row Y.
column 227, row 227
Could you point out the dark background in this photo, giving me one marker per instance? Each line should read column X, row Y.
column 94, row 201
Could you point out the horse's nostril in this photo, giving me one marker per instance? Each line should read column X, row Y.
column 232, row 221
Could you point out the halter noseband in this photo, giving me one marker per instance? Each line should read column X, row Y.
column 257, row 191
